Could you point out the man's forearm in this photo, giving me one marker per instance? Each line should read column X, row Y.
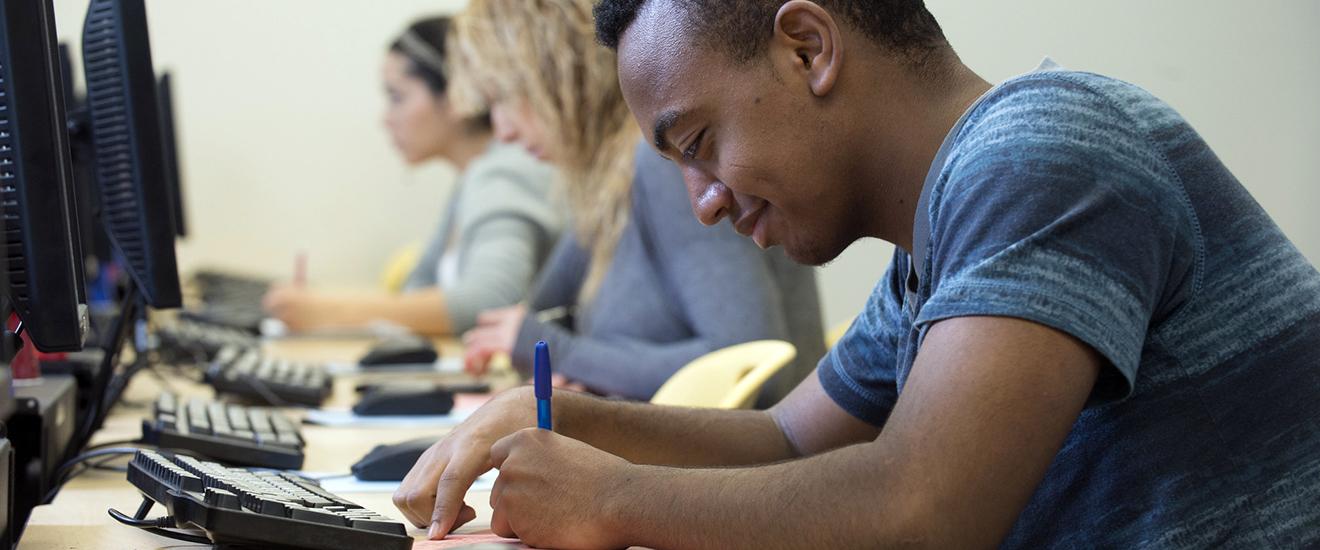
column 816, row 502
column 671, row 436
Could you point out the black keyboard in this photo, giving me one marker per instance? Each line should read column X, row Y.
column 229, row 300
column 191, row 339
column 260, row 508
column 220, row 286
column 251, row 436
column 249, row 373
column 244, row 317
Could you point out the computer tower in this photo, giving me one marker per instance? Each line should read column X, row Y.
column 7, row 406
column 6, row 494
column 40, row 431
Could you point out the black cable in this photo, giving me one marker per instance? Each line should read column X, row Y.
column 258, row 385
column 158, row 527
column 137, row 521
column 104, row 464
column 119, row 383
column 65, row 471
column 154, row 369
column 117, row 443
column 102, row 378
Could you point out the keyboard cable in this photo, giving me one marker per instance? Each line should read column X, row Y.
column 66, row 471
column 157, row 526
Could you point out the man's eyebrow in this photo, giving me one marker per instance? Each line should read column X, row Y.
column 662, row 125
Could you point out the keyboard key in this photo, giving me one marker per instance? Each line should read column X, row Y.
column 206, row 427
column 165, row 404
column 221, row 498
column 318, row 516
column 381, row 525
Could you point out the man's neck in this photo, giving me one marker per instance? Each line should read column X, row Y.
column 916, row 124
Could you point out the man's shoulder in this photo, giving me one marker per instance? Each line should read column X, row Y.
column 1059, row 128
column 1054, row 105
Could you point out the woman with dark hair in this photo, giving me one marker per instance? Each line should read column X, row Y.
column 498, row 228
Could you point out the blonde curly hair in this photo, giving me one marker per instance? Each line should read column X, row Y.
column 544, row 52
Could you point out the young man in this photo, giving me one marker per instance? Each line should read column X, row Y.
column 1090, row 335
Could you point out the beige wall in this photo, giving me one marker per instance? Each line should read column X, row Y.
column 279, row 106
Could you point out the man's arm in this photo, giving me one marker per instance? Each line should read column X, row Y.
column 806, row 421
column 986, row 408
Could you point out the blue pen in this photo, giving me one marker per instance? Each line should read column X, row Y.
column 541, row 385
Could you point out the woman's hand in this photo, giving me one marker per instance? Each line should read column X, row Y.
column 300, row 308
column 496, row 332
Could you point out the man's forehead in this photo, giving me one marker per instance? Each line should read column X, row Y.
column 653, row 46
column 659, row 67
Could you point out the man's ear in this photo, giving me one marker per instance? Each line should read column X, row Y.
column 810, row 35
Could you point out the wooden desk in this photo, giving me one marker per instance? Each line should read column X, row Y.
column 77, row 519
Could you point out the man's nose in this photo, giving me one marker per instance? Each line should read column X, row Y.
column 711, row 200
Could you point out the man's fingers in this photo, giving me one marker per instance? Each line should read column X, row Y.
column 499, row 522
column 453, row 483
column 499, row 452
column 496, row 490
column 414, row 497
column 465, row 515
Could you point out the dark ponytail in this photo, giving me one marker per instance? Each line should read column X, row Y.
column 423, row 45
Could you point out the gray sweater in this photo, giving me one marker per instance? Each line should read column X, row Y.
column 675, row 290
column 498, row 229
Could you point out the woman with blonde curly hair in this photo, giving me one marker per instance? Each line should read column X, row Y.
column 637, row 287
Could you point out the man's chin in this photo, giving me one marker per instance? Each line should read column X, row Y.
column 811, row 255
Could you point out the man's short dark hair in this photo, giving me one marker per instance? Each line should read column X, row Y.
column 743, row 27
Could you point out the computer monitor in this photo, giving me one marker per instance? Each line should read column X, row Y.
column 126, row 137
column 42, row 253
column 165, row 94
column 71, row 98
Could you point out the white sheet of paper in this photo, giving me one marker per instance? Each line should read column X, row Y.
column 445, row 365
column 346, row 418
column 350, row 484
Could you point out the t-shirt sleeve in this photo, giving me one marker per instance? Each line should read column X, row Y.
column 1056, row 209
column 860, row 372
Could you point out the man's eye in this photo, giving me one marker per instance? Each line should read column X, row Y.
column 691, row 151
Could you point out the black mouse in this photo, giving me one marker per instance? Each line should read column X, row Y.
column 402, row 400
column 391, row 462
column 400, row 350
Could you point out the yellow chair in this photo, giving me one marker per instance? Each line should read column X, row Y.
column 729, row 378
column 835, row 334
column 400, row 266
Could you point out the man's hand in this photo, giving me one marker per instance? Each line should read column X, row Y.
column 553, row 491
column 496, row 332
column 432, row 492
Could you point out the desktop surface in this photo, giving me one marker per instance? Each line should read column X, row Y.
column 77, row 518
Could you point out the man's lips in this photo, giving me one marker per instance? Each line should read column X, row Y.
column 747, row 222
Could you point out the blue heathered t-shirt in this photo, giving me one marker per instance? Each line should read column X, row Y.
column 1085, row 204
